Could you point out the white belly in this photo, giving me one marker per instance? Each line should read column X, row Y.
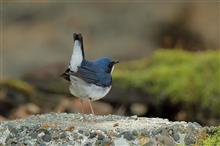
column 83, row 90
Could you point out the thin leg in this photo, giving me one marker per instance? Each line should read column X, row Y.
column 81, row 101
column 91, row 107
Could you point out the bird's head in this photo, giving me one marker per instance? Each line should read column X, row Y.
column 107, row 64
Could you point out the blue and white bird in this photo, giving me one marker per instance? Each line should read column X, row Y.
column 89, row 80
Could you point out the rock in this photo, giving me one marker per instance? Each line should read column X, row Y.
column 190, row 139
column 71, row 129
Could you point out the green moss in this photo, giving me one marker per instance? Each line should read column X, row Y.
column 213, row 139
column 180, row 76
column 19, row 85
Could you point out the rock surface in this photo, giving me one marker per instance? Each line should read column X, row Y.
column 74, row 129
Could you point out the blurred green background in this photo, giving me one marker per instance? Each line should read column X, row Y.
column 168, row 51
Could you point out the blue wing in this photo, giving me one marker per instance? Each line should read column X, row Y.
column 92, row 73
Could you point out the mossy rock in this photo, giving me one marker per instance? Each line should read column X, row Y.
column 192, row 79
column 212, row 139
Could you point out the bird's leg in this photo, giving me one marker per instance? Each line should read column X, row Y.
column 92, row 110
column 91, row 107
column 81, row 101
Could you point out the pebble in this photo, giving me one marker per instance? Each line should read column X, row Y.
column 176, row 137
column 92, row 135
column 101, row 137
column 127, row 135
column 135, row 132
column 156, row 132
column 80, row 131
column 47, row 137
column 189, row 139
column 62, row 136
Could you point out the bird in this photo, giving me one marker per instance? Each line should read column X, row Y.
column 89, row 80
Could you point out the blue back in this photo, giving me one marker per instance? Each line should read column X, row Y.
column 94, row 72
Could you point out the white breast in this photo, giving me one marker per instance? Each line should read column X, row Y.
column 83, row 90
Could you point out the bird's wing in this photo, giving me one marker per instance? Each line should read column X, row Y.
column 92, row 73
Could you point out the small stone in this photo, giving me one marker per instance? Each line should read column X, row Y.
column 135, row 133
column 47, row 137
column 189, row 139
column 156, row 132
column 101, row 137
column 14, row 131
column 62, row 136
column 55, row 134
column 127, row 135
column 75, row 135
column 115, row 124
column 99, row 143
column 33, row 135
column 145, row 132
column 41, row 134
column 80, row 137
column 170, row 131
column 176, row 137
column 86, row 133
column 80, row 131
column 92, row 135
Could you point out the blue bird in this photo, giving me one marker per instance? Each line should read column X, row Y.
column 89, row 80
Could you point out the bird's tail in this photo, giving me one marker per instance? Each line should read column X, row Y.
column 78, row 37
column 78, row 52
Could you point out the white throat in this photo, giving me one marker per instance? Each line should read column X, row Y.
column 77, row 56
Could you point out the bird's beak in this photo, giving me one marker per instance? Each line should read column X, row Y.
column 115, row 62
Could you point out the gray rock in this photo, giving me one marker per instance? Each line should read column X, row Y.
column 70, row 129
column 190, row 139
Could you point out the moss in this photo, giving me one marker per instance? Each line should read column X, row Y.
column 19, row 85
column 213, row 139
column 180, row 76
